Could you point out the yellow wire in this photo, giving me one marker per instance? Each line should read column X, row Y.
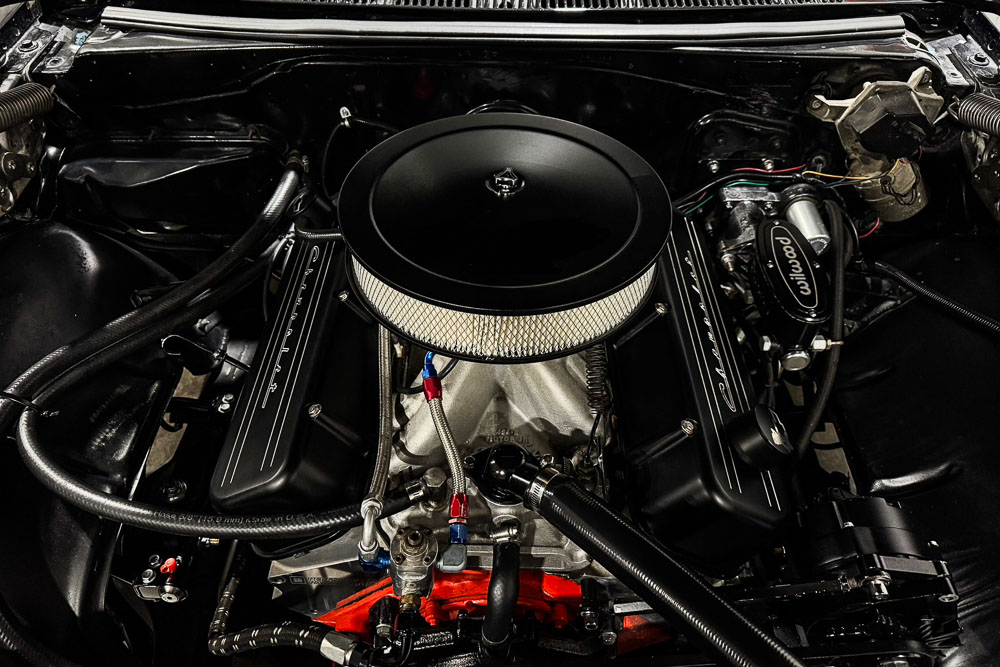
column 856, row 178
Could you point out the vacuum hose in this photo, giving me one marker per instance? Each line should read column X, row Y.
column 641, row 564
column 828, row 378
column 21, row 104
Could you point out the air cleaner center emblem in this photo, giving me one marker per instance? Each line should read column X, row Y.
column 505, row 183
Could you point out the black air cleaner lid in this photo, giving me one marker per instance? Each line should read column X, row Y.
column 504, row 213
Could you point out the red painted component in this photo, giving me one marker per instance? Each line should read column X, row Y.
column 552, row 599
column 432, row 389
column 640, row 631
column 169, row 566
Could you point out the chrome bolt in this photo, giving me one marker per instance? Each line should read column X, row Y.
column 27, row 46
column 148, row 576
column 713, row 166
column 768, row 164
column 661, row 309
column 948, row 597
column 225, row 403
column 314, row 410
column 608, row 638
column 174, row 490
column 689, row 426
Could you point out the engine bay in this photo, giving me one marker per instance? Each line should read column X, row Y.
column 451, row 343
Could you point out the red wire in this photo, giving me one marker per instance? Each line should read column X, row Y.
column 878, row 223
column 773, row 171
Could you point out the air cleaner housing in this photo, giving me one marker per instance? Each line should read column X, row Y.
column 503, row 237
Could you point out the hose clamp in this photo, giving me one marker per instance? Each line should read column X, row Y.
column 533, row 498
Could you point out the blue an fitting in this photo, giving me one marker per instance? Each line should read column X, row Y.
column 458, row 533
column 377, row 564
column 429, row 370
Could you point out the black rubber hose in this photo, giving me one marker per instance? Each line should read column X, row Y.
column 163, row 520
column 21, row 104
column 220, row 618
column 14, row 638
column 501, row 600
column 31, row 381
column 38, row 375
column 320, row 639
column 318, row 234
column 151, row 517
column 984, row 322
column 652, row 573
column 288, row 633
column 828, row 377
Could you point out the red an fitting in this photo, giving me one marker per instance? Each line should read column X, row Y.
column 432, row 389
column 459, row 508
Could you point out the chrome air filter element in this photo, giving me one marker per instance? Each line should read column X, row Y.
column 503, row 237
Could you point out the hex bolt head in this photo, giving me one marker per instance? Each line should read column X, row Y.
column 148, row 576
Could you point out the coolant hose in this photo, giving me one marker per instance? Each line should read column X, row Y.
column 56, row 362
column 646, row 568
column 501, row 600
column 829, row 375
column 21, row 104
column 984, row 322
